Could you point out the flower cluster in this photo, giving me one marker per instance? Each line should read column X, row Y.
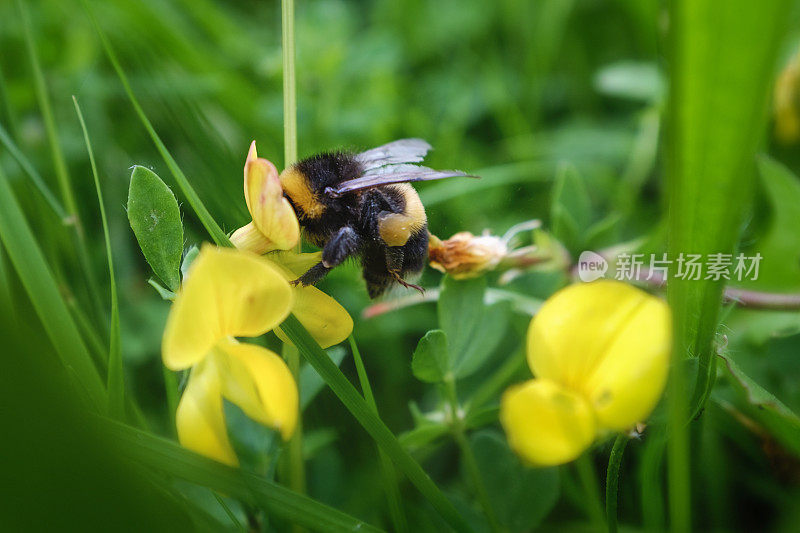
column 600, row 353
column 230, row 293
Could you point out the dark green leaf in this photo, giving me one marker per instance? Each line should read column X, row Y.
column 431, row 360
column 521, row 496
column 156, row 221
column 765, row 408
column 780, row 246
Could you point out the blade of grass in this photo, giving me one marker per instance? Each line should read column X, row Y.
column 73, row 218
column 228, row 512
column 32, row 173
column 373, row 425
column 612, row 481
column 387, row 470
column 62, row 174
column 199, row 208
column 170, row 458
column 721, row 61
column 32, row 269
column 115, row 379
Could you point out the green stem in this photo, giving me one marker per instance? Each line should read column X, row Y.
column 171, row 390
column 470, row 463
column 296, row 465
column 371, row 423
column 612, row 481
column 588, row 478
column 387, row 470
column 289, row 85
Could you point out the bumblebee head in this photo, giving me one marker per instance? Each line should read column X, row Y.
column 304, row 183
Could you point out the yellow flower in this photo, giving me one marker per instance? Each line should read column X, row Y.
column 274, row 225
column 600, row 354
column 228, row 294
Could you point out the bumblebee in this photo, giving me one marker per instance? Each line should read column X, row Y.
column 360, row 205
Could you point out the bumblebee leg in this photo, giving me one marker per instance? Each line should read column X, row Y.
column 343, row 244
column 312, row 275
column 394, row 264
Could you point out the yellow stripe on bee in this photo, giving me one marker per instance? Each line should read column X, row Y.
column 396, row 228
column 296, row 186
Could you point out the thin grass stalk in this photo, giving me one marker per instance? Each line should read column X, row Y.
column 115, row 378
column 387, row 470
column 612, row 481
column 80, row 250
column 297, row 476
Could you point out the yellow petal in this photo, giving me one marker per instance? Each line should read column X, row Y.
column 546, row 424
column 271, row 211
column 226, row 293
column 628, row 382
column 572, row 331
column 294, row 264
column 250, row 239
column 200, row 418
column 260, row 383
column 327, row 321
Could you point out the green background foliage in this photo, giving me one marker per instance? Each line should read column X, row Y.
column 619, row 123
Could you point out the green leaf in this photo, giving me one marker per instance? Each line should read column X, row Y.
column 431, row 361
column 156, row 221
column 570, row 208
column 188, row 259
column 162, row 291
column 765, row 408
column 472, row 329
column 521, row 496
column 780, row 245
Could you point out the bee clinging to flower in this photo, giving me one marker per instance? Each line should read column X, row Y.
column 362, row 206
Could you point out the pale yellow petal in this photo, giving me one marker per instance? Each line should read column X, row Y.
column 260, row 383
column 271, row 211
column 572, row 331
column 327, row 321
column 293, row 264
column 627, row 384
column 545, row 423
column 226, row 293
column 250, row 239
column 200, row 418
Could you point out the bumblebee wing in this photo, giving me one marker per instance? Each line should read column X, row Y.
column 393, row 153
column 393, row 174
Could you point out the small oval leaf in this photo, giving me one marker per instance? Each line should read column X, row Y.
column 431, row 362
column 155, row 218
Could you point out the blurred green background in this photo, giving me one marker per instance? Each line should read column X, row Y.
column 510, row 90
